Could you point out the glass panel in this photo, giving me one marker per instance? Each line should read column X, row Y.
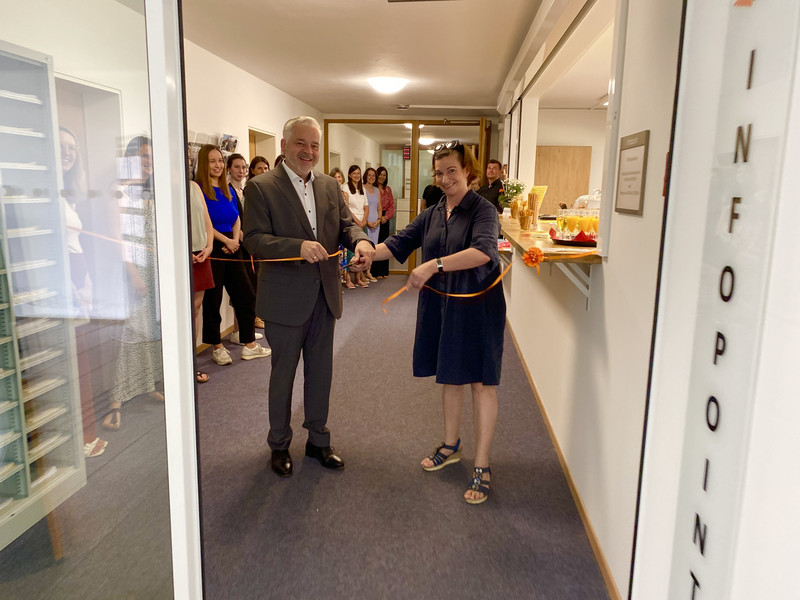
column 82, row 440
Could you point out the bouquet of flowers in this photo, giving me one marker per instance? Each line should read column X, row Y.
column 511, row 188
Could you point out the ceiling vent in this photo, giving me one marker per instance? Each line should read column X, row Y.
column 400, row 106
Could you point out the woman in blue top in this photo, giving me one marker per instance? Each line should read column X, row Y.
column 459, row 340
column 228, row 274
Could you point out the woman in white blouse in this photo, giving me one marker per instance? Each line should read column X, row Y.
column 358, row 206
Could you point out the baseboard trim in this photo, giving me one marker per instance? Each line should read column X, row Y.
column 223, row 334
column 602, row 563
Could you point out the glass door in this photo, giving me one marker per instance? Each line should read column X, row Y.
column 84, row 497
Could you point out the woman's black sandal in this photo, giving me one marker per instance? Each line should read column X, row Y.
column 440, row 461
column 479, row 484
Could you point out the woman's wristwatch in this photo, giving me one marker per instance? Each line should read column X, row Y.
column 439, row 265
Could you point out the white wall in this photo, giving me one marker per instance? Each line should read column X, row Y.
column 246, row 101
column 590, row 365
column 576, row 128
column 250, row 102
column 352, row 145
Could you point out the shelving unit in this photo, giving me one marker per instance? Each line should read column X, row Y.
column 41, row 441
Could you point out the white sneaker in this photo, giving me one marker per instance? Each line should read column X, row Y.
column 221, row 356
column 234, row 338
column 258, row 352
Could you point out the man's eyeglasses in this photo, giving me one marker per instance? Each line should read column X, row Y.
column 453, row 145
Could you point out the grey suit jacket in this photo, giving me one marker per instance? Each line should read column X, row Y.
column 276, row 225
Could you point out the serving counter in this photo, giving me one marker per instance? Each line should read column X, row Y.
column 569, row 259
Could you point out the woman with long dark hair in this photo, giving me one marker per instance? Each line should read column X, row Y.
column 228, row 274
column 358, row 208
column 380, row 269
column 258, row 165
column 346, row 255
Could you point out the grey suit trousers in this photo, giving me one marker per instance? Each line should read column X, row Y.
column 315, row 339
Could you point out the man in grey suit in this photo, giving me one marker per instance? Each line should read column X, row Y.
column 294, row 211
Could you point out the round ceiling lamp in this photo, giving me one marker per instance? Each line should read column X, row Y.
column 387, row 85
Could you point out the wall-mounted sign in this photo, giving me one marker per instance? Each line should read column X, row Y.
column 631, row 176
column 750, row 115
column 406, row 152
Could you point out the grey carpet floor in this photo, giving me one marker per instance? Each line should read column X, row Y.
column 115, row 529
column 383, row 528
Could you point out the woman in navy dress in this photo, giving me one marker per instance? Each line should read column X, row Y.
column 459, row 340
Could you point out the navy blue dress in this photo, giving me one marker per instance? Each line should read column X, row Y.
column 460, row 340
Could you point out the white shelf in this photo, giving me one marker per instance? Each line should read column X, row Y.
column 9, row 470
column 27, row 232
column 9, row 166
column 17, row 97
column 39, row 357
column 26, row 200
column 6, row 373
column 30, row 265
column 35, row 326
column 33, row 296
column 34, row 390
column 4, row 129
column 44, row 417
column 9, row 437
column 45, row 446
column 7, row 405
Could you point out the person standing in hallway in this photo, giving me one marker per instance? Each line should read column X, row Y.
column 258, row 165
column 373, row 216
column 357, row 202
column 237, row 171
column 228, row 274
column 494, row 185
column 459, row 340
column 381, row 268
column 296, row 212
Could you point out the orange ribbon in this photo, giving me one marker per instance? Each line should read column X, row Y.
column 251, row 260
column 470, row 295
column 532, row 257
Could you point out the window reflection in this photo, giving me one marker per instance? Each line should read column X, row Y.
column 83, row 486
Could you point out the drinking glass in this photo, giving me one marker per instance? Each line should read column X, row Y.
column 561, row 222
column 595, row 222
column 572, row 223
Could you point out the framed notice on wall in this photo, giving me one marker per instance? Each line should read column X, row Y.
column 631, row 176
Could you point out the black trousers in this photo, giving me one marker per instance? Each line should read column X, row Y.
column 314, row 339
column 380, row 268
column 231, row 276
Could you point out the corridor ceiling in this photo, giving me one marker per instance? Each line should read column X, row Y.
column 456, row 54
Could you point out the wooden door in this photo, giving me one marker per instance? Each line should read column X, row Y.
column 565, row 171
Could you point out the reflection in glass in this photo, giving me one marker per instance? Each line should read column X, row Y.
column 83, row 488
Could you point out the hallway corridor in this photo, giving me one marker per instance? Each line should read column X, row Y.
column 383, row 528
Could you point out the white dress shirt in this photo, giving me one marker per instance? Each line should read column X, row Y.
column 305, row 191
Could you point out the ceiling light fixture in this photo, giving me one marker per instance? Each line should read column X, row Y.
column 387, row 85
column 409, row 126
column 426, row 141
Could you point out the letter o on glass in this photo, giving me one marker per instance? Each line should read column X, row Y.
column 712, row 413
column 726, row 281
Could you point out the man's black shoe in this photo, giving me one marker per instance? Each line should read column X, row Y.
column 281, row 463
column 325, row 456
